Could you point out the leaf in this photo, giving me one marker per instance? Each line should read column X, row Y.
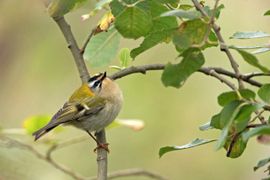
column 134, row 124
column 194, row 143
column 33, row 123
column 228, row 114
column 249, row 35
column 124, row 57
column 265, row 129
column 238, row 148
column 261, row 50
column 161, row 31
column 261, row 163
column 182, row 14
column 61, row 7
column 267, row 13
column 102, row 48
column 175, row 75
column 244, row 115
column 206, row 126
column 264, row 93
column 215, row 121
column 133, row 22
column 106, row 21
column 192, row 34
column 252, row 60
column 227, row 97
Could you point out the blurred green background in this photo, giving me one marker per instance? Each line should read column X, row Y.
column 37, row 75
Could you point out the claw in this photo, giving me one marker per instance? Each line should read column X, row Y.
column 104, row 146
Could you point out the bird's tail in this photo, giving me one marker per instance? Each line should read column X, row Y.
column 39, row 133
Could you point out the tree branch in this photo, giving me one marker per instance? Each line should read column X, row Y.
column 223, row 45
column 133, row 172
column 84, row 75
column 73, row 46
column 12, row 143
column 206, row 70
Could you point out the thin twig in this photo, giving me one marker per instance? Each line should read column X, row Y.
column 223, row 45
column 84, row 75
column 206, row 70
column 12, row 143
column 64, row 144
column 94, row 31
column 251, row 75
column 73, row 46
column 133, row 172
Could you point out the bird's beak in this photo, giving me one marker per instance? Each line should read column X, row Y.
column 104, row 75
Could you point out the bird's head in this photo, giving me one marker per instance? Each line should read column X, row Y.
column 95, row 83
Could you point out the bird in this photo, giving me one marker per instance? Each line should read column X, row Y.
column 91, row 107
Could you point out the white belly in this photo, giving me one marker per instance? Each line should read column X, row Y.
column 99, row 121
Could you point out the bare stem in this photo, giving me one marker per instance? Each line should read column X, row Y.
column 133, row 172
column 223, row 45
column 73, row 46
column 12, row 143
column 206, row 70
column 84, row 75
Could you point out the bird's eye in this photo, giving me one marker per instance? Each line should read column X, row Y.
column 96, row 84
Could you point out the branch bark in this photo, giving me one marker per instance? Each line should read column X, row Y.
column 206, row 70
column 84, row 75
column 223, row 46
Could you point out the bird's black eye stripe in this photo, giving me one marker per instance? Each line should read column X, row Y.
column 93, row 78
column 96, row 84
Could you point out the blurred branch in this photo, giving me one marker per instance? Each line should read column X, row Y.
column 133, row 172
column 73, row 46
column 84, row 75
column 206, row 70
column 223, row 46
column 251, row 75
column 12, row 143
column 64, row 144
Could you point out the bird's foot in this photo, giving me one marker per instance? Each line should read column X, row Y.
column 104, row 146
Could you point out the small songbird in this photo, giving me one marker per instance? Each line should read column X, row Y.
column 92, row 107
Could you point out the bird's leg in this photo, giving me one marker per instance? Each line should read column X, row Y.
column 99, row 145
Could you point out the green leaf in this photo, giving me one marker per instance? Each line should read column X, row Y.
column 192, row 33
column 124, row 57
column 61, row 7
column 267, row 13
column 194, row 143
column 206, row 126
column 244, row 115
column 252, row 60
column 228, row 114
column 227, row 97
column 134, row 124
column 249, row 35
column 33, row 123
column 256, row 131
column 262, row 163
column 133, row 22
column 264, row 93
column 102, row 48
column 238, row 148
column 161, row 31
column 175, row 75
column 215, row 121
column 182, row 14
column 261, row 50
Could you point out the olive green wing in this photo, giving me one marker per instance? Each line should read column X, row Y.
column 72, row 111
